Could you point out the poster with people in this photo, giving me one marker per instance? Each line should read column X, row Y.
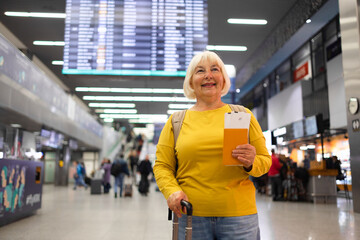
column 20, row 188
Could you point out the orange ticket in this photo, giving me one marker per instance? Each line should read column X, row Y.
column 232, row 138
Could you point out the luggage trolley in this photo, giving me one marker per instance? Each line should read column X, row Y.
column 188, row 228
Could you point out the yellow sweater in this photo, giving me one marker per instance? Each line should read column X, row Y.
column 212, row 188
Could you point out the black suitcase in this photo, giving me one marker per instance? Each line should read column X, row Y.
column 95, row 186
column 188, row 229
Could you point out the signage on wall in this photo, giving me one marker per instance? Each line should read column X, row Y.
column 333, row 49
column 279, row 131
column 302, row 72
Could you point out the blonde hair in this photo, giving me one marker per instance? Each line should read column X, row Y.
column 208, row 56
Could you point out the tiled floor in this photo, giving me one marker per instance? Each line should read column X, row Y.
column 68, row 214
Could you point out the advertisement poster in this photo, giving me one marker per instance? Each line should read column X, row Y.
column 20, row 189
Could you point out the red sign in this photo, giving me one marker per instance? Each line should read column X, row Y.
column 301, row 72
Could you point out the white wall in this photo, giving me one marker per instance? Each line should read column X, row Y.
column 337, row 99
column 285, row 107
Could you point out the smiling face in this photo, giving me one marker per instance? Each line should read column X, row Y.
column 207, row 80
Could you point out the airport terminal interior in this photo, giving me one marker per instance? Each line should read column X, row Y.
column 69, row 214
column 84, row 84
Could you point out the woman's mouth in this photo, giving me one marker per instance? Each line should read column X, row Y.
column 208, row 84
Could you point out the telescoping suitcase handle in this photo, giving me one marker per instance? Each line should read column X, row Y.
column 188, row 228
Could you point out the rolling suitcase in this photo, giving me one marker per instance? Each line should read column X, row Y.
column 188, row 229
column 128, row 190
column 95, row 186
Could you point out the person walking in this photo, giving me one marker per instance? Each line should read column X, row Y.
column 145, row 169
column 275, row 178
column 119, row 178
column 106, row 166
column 133, row 160
column 79, row 175
column 223, row 197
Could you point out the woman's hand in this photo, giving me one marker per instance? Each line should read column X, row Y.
column 174, row 202
column 245, row 154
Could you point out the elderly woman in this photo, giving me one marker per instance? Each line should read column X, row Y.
column 223, row 197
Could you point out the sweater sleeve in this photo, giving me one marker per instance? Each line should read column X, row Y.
column 164, row 168
column 262, row 162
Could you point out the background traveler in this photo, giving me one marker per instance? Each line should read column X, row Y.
column 275, row 178
column 79, row 175
column 106, row 166
column 119, row 178
column 133, row 160
column 221, row 195
column 145, row 169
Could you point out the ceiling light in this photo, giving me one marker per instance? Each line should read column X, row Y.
column 238, row 90
column 108, row 119
column 116, row 111
column 112, row 105
column 56, row 62
column 310, row 146
column 15, row 125
column 308, row 21
column 137, row 99
column 129, row 90
column 35, row 14
column 225, row 48
column 49, row 43
column 136, row 116
column 180, row 106
column 247, row 21
column 147, row 120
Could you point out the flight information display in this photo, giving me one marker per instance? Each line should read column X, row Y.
column 133, row 37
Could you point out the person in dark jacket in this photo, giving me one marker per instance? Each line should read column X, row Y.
column 145, row 169
column 119, row 179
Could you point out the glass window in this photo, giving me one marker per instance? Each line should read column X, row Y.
column 258, row 95
column 316, row 41
column 319, row 82
column 284, row 75
column 318, row 61
column 306, row 87
column 272, row 85
column 302, row 53
column 331, row 29
column 248, row 100
column 266, row 85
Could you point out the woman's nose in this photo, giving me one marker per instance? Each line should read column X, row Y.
column 208, row 74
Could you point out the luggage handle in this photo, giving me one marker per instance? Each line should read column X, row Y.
column 185, row 204
column 188, row 229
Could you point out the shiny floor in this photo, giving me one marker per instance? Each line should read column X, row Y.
column 68, row 214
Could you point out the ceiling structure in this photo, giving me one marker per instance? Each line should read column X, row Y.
column 28, row 30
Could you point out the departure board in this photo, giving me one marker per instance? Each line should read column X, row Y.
column 133, row 37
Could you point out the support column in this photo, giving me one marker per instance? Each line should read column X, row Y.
column 62, row 166
column 350, row 44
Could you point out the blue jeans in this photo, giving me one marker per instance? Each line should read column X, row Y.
column 79, row 181
column 119, row 182
column 222, row 228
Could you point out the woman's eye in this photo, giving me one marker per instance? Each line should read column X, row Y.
column 199, row 71
column 215, row 69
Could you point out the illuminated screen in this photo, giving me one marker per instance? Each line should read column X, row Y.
column 133, row 37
